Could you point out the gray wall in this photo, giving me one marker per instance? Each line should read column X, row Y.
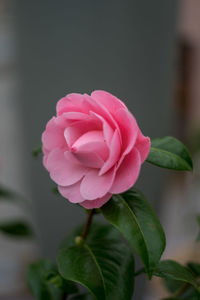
column 124, row 47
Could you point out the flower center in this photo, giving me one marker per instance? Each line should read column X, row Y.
column 91, row 141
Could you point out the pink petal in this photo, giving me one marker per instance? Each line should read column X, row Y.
column 109, row 101
column 127, row 173
column 71, row 192
column 63, row 167
column 78, row 116
column 77, row 129
column 53, row 136
column 92, row 141
column 71, row 102
column 75, row 103
column 115, row 149
column 107, row 129
column 98, row 108
column 143, row 145
column 89, row 204
column 89, row 159
column 128, row 127
column 94, row 186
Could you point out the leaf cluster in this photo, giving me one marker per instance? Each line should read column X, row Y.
column 102, row 261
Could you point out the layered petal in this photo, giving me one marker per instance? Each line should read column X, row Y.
column 75, row 116
column 91, row 142
column 94, row 186
column 129, row 129
column 64, row 168
column 99, row 109
column 107, row 129
column 109, row 101
column 114, row 153
column 71, row 102
column 71, row 192
column 127, row 173
column 93, row 148
column 53, row 136
column 89, row 159
column 77, row 129
column 90, row 204
column 143, row 144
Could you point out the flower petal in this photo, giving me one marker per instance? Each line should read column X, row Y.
column 64, row 168
column 77, row 129
column 71, row 102
column 53, row 136
column 92, row 141
column 94, row 186
column 89, row 204
column 143, row 144
column 75, row 116
column 108, row 100
column 115, row 149
column 98, row 108
column 71, row 192
column 128, row 127
column 89, row 159
column 127, row 173
column 107, row 129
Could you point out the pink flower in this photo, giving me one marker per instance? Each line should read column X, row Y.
column 93, row 148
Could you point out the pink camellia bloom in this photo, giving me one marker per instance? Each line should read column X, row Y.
column 93, row 148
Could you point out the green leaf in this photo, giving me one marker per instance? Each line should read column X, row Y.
column 58, row 281
column 170, row 269
column 190, row 294
column 36, row 278
column 103, row 263
column 195, row 268
column 172, row 285
column 168, row 152
column 184, row 290
column 36, row 152
column 134, row 217
column 16, row 228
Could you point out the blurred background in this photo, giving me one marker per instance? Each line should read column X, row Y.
column 145, row 52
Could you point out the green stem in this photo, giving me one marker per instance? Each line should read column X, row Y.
column 87, row 224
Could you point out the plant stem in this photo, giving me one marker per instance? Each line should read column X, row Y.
column 87, row 224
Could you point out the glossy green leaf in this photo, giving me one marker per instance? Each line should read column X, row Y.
column 134, row 217
column 195, row 268
column 168, row 152
column 103, row 263
column 190, row 294
column 186, row 292
column 16, row 228
column 183, row 289
column 58, row 281
column 172, row 285
column 173, row 270
column 36, row 279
